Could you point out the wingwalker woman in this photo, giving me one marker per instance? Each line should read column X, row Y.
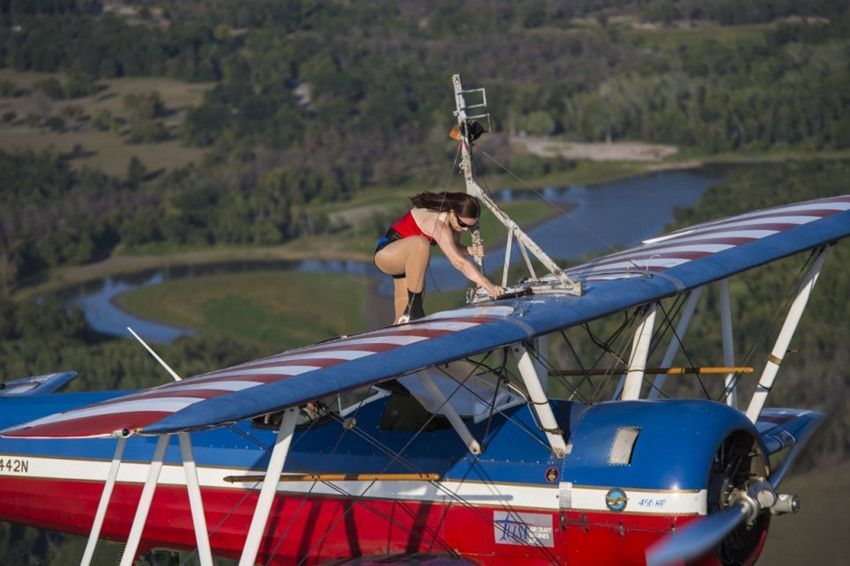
column 404, row 251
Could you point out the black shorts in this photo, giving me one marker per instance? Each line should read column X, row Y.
column 385, row 240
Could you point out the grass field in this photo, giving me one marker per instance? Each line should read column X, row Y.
column 104, row 150
column 816, row 534
column 272, row 309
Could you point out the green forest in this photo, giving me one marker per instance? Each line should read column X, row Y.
column 314, row 103
column 300, row 114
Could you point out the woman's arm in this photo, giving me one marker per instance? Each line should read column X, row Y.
column 443, row 234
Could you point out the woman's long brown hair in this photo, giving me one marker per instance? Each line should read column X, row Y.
column 462, row 204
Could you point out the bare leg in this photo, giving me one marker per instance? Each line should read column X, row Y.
column 400, row 296
column 408, row 256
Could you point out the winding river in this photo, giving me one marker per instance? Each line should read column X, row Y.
column 616, row 214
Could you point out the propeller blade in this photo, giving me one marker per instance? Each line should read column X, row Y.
column 779, row 473
column 696, row 538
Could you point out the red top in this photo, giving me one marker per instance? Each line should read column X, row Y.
column 407, row 227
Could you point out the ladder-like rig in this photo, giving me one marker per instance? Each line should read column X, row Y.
column 469, row 130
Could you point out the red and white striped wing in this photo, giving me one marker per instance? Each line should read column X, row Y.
column 132, row 412
column 665, row 252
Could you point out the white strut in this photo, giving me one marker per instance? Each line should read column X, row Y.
column 145, row 502
column 768, row 376
column 640, row 352
column 269, row 489
column 105, row 496
column 539, row 401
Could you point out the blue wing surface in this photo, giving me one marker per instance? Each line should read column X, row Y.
column 36, row 384
column 784, row 428
column 659, row 268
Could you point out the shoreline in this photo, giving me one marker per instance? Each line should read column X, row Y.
column 117, row 265
column 133, row 265
column 184, row 330
column 125, row 265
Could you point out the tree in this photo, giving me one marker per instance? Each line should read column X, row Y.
column 205, row 124
column 539, row 123
column 141, row 107
column 136, row 171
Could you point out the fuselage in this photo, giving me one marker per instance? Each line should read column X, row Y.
column 515, row 501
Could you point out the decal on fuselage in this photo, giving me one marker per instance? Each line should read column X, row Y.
column 14, row 465
column 527, row 529
column 616, row 499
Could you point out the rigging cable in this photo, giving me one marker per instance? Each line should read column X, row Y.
column 542, row 360
column 313, row 485
column 587, row 229
column 239, row 503
column 398, row 456
column 584, row 378
column 677, row 307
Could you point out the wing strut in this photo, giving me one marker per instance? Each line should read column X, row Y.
column 768, row 375
column 100, row 515
column 640, row 352
column 450, row 413
column 144, row 506
column 730, row 388
column 267, row 492
column 539, row 401
column 193, row 488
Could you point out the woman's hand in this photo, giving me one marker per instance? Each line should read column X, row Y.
column 475, row 251
column 493, row 290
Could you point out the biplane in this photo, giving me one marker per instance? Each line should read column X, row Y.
column 437, row 441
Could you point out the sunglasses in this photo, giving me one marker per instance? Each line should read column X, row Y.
column 463, row 224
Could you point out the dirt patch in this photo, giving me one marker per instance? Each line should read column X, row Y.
column 614, row 151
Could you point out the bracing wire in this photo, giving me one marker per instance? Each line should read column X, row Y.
column 398, row 456
column 309, row 492
column 520, row 425
column 549, row 366
column 586, row 378
column 669, row 317
column 572, row 218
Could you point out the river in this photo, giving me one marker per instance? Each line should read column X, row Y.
column 610, row 215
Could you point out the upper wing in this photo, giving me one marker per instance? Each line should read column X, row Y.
column 36, row 384
column 308, row 373
column 661, row 267
column 777, row 229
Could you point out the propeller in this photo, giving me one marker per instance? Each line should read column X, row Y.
column 696, row 538
column 745, row 504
